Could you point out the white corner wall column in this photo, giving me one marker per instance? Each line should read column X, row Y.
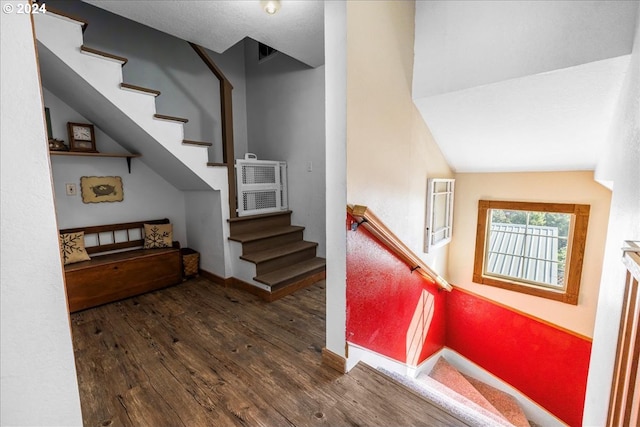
column 38, row 375
column 335, row 33
column 619, row 169
column 207, row 215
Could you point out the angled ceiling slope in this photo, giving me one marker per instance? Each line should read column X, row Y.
column 522, row 85
column 297, row 29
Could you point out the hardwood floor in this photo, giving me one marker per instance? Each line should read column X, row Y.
column 198, row 354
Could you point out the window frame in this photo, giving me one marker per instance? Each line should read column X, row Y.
column 431, row 209
column 575, row 249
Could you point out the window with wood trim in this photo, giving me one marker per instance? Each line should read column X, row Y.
column 532, row 248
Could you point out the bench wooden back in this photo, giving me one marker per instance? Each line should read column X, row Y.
column 125, row 239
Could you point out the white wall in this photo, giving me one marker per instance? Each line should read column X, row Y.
column 285, row 116
column 38, row 377
column 146, row 194
column 168, row 64
column 620, row 167
column 335, row 34
column 204, row 230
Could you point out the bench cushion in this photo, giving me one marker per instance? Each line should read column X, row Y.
column 112, row 277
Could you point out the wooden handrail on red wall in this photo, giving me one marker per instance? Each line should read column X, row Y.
column 375, row 226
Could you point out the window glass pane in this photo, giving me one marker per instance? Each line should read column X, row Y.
column 529, row 246
column 440, row 211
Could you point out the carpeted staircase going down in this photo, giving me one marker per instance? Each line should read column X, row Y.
column 494, row 403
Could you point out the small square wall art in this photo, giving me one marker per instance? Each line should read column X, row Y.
column 99, row 189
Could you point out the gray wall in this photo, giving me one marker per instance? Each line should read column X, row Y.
column 286, row 121
column 168, row 64
column 146, row 194
column 204, row 229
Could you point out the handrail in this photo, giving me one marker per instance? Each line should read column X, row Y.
column 226, row 111
column 375, row 226
column 624, row 400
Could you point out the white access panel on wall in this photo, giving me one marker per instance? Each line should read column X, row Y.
column 261, row 185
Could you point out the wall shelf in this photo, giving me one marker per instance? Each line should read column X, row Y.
column 87, row 154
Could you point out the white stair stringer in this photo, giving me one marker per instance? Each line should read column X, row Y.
column 91, row 84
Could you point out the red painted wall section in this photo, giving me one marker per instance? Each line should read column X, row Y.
column 389, row 310
column 547, row 364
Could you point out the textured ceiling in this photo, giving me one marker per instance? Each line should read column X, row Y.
column 297, row 29
column 522, row 85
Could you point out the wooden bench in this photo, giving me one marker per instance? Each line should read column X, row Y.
column 119, row 267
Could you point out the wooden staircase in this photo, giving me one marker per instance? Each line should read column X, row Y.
column 283, row 261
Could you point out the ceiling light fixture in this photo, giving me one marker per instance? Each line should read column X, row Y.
column 271, row 6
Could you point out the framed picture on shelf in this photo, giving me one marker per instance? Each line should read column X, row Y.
column 82, row 137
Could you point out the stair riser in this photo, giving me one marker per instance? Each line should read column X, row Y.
column 309, row 276
column 262, row 244
column 256, row 224
column 284, row 261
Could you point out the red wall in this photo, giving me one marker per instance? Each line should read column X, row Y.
column 382, row 296
column 546, row 363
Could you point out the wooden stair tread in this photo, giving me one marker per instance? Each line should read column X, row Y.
column 171, row 118
column 291, row 273
column 252, row 217
column 277, row 252
column 107, row 55
column 140, row 89
column 264, row 234
column 190, row 142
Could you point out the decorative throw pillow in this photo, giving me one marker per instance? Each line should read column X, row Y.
column 72, row 248
column 158, row 236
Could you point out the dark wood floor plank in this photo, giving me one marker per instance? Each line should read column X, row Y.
column 201, row 354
